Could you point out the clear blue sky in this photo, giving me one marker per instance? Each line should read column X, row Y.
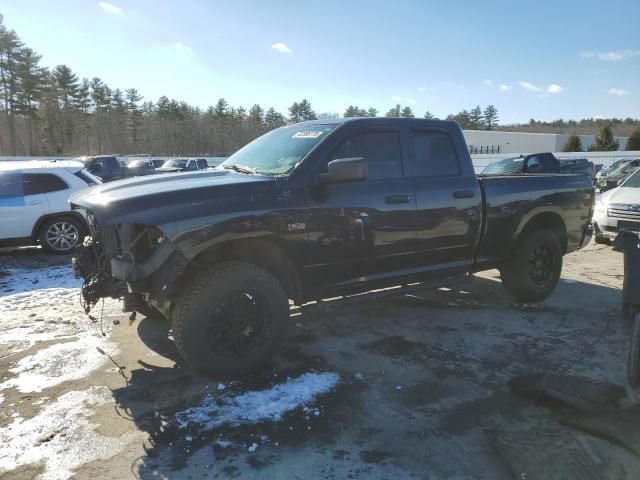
column 541, row 59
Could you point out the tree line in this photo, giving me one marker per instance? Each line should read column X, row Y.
column 52, row 112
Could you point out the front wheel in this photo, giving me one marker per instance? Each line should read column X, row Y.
column 533, row 272
column 230, row 320
column 60, row 235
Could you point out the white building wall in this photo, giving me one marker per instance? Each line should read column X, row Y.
column 525, row 142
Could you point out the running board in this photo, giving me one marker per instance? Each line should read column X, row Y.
column 397, row 290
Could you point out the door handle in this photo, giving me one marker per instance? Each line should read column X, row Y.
column 463, row 194
column 34, row 202
column 394, row 199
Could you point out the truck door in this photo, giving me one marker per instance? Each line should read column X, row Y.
column 448, row 203
column 364, row 228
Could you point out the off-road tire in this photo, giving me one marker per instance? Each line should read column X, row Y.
column 519, row 273
column 44, row 234
column 193, row 318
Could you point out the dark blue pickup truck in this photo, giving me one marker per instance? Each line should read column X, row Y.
column 314, row 210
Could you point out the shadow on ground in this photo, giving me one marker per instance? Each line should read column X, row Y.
column 425, row 378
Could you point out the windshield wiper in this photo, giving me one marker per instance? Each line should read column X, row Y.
column 240, row 168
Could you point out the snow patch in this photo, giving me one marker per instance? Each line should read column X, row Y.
column 40, row 304
column 258, row 406
column 61, row 436
column 59, row 363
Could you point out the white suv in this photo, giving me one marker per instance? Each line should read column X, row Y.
column 34, row 205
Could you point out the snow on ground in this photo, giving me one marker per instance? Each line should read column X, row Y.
column 40, row 304
column 59, row 363
column 61, row 436
column 257, row 406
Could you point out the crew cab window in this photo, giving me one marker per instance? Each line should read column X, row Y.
column 192, row 165
column 202, row 164
column 534, row 164
column 435, row 155
column 380, row 149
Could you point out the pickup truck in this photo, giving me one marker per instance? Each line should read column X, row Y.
column 314, row 210
column 540, row 163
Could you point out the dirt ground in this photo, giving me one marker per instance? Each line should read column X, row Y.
column 431, row 385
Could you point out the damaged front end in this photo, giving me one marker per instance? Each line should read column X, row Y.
column 134, row 262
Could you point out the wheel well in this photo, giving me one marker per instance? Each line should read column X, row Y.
column 36, row 228
column 266, row 254
column 549, row 220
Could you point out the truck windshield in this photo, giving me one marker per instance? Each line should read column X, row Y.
column 633, row 181
column 279, row 151
column 508, row 165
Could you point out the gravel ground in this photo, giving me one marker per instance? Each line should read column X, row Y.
column 427, row 385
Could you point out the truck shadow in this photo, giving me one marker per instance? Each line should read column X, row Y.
column 427, row 333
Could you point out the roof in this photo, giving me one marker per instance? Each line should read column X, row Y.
column 9, row 165
column 375, row 120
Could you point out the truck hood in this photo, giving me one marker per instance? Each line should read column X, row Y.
column 161, row 199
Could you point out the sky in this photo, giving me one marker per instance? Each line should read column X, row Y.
column 531, row 59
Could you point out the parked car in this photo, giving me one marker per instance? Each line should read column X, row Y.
column 139, row 168
column 604, row 171
column 539, row 163
column 105, row 167
column 157, row 163
column 618, row 208
column 320, row 209
column 34, row 205
column 618, row 175
column 182, row 165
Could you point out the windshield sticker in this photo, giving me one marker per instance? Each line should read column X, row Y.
column 307, row 134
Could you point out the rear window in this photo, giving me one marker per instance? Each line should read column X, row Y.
column 87, row 177
column 435, row 155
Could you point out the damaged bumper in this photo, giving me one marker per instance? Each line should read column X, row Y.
column 129, row 261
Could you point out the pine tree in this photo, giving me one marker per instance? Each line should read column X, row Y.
column 573, row 144
column 490, row 117
column 394, row 112
column 273, row 119
column 428, row 115
column 633, row 143
column 351, row 111
column 604, row 141
column 371, row 112
column 134, row 117
column 10, row 51
column 306, row 112
column 30, row 91
column 476, row 119
column 407, row 113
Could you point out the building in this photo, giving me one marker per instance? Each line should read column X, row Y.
column 492, row 141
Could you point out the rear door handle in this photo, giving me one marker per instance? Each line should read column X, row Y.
column 463, row 194
column 394, row 199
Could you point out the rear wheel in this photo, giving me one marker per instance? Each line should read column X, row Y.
column 533, row 272
column 60, row 235
column 230, row 320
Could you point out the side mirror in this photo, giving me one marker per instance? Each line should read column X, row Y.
column 344, row 170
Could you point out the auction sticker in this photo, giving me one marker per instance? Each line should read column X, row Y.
column 307, row 134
